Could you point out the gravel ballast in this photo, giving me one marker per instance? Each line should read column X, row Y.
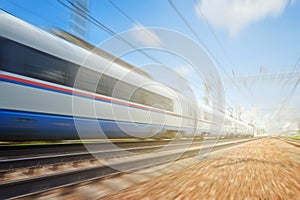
column 263, row 169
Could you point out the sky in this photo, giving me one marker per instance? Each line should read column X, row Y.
column 245, row 38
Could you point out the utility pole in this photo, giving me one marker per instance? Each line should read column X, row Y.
column 206, row 97
column 78, row 18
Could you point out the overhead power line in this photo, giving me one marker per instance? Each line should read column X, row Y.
column 78, row 24
column 99, row 24
column 268, row 77
column 138, row 24
column 199, row 39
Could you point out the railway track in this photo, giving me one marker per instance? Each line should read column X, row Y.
column 34, row 185
column 293, row 142
column 53, row 159
column 21, row 150
column 30, row 157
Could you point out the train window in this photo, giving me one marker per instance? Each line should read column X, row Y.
column 86, row 80
column 190, row 109
column 46, row 74
column 207, row 116
column 227, row 122
column 23, row 60
column 11, row 56
column 95, row 82
column 146, row 97
column 110, row 86
column 200, row 114
column 20, row 59
column 123, row 90
column 106, row 85
column 138, row 96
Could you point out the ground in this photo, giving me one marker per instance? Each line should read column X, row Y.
column 261, row 169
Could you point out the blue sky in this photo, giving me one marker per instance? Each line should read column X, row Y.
column 244, row 37
column 272, row 41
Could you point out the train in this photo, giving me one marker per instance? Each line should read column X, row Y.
column 51, row 91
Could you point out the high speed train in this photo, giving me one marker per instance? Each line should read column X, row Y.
column 52, row 89
column 230, row 126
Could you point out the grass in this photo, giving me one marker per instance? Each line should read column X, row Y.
column 295, row 137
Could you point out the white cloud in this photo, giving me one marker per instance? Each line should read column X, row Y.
column 233, row 15
column 146, row 37
column 183, row 70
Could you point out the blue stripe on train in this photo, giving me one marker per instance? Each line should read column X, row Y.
column 40, row 126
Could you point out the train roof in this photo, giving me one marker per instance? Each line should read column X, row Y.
column 73, row 39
